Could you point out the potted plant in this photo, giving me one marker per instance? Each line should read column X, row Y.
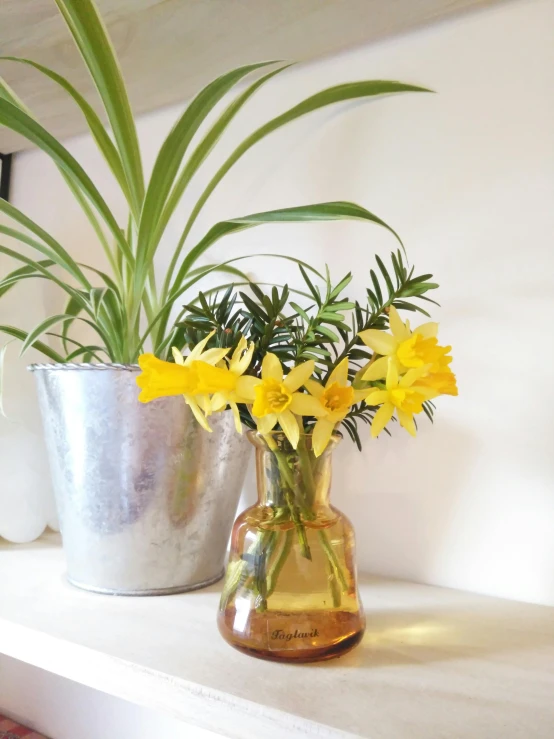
column 132, row 520
column 297, row 376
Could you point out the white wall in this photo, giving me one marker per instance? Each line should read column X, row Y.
column 467, row 178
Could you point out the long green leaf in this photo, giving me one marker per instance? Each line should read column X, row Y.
column 40, row 329
column 339, row 93
column 8, row 94
column 93, row 220
column 18, row 333
column 73, row 308
column 220, row 268
column 171, row 155
column 99, row 133
column 52, row 256
column 47, row 323
column 78, row 344
column 92, row 349
column 22, row 273
column 199, row 155
column 316, row 212
column 92, row 40
column 56, row 252
column 105, row 277
column 19, row 121
column 49, row 275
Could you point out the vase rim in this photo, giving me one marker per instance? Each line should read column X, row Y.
column 256, row 438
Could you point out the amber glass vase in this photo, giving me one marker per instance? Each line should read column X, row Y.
column 290, row 591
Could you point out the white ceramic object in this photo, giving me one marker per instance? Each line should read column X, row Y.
column 26, row 494
column 26, row 500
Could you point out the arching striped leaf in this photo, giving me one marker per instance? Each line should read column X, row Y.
column 19, row 121
column 316, row 212
column 91, row 37
column 171, row 155
column 18, row 333
column 99, row 133
column 330, row 96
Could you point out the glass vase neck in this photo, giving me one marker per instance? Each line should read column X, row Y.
column 285, row 474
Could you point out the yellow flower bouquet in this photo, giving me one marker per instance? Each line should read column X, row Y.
column 295, row 376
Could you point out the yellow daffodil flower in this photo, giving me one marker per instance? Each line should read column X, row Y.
column 238, row 364
column 403, row 395
column 194, row 382
column 411, row 349
column 336, row 399
column 275, row 397
column 195, row 378
column 211, row 379
column 160, row 379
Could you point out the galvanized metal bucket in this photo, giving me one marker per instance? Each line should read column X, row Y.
column 146, row 497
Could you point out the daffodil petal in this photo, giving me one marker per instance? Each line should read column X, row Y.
column 322, row 432
column 219, row 401
column 246, row 387
column 379, row 341
column 377, row 370
column 199, row 348
column 267, row 423
column 290, row 427
column 271, row 368
column 337, row 416
column 307, row 405
column 426, row 392
column 200, row 417
column 406, row 421
column 427, row 330
column 236, row 417
column 413, row 375
column 392, row 374
column 314, row 388
column 241, row 346
column 360, row 395
column 177, row 356
column 240, row 366
column 381, row 418
column 377, row 397
column 397, row 326
column 212, row 356
column 299, row 375
column 146, row 360
column 204, row 404
column 339, row 374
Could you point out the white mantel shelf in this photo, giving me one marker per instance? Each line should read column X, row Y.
column 434, row 664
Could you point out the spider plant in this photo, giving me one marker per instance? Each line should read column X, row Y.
column 130, row 306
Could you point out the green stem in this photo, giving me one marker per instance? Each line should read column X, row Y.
column 306, row 471
column 334, row 587
column 333, row 561
column 268, row 540
column 298, row 525
column 275, row 570
column 237, row 573
column 295, row 501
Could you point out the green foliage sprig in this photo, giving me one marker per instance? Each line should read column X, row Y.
column 325, row 331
